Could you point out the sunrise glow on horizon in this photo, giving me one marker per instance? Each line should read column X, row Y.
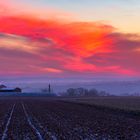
column 59, row 37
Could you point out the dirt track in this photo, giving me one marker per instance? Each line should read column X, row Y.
column 52, row 120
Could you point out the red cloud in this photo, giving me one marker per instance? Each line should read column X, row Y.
column 82, row 38
column 58, row 46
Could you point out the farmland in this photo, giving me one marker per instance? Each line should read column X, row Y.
column 65, row 119
column 128, row 103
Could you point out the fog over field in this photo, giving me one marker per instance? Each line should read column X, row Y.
column 113, row 86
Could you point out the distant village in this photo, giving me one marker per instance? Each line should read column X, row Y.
column 46, row 91
column 4, row 88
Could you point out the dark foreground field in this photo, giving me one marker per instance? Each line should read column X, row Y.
column 52, row 119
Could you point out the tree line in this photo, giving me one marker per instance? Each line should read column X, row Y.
column 84, row 92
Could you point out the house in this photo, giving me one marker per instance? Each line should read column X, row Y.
column 3, row 88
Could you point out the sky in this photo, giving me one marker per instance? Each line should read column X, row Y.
column 69, row 38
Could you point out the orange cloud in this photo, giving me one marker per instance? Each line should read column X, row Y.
column 82, row 38
column 31, row 45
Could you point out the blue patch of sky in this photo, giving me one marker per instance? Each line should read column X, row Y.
column 82, row 4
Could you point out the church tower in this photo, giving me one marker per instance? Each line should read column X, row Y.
column 49, row 88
